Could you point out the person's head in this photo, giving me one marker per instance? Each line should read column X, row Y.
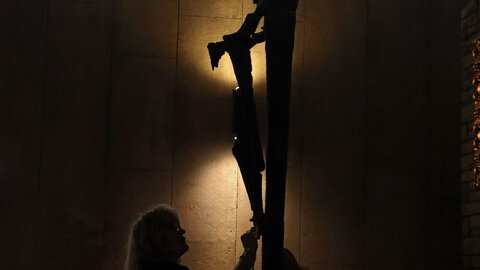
column 155, row 237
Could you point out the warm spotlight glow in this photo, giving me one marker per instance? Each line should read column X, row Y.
column 219, row 82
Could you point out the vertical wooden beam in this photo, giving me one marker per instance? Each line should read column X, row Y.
column 280, row 37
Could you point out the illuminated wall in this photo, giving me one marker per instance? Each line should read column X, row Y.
column 111, row 107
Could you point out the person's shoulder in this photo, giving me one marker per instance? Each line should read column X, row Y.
column 175, row 267
column 181, row 267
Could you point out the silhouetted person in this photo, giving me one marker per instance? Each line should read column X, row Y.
column 156, row 243
column 289, row 261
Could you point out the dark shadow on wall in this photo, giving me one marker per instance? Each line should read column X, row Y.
column 95, row 100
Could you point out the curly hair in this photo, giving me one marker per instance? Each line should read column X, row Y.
column 147, row 239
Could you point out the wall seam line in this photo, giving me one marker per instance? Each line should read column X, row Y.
column 174, row 109
column 39, row 192
column 429, row 134
column 108, row 129
column 302, row 133
column 366, row 141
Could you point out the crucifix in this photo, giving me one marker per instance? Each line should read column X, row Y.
column 278, row 33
